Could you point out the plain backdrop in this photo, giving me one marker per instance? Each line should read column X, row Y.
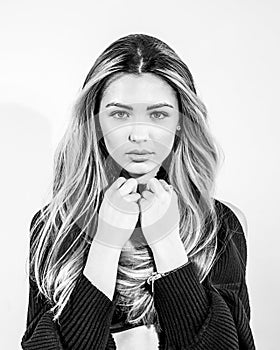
column 232, row 50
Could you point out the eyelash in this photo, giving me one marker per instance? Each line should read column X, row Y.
column 117, row 112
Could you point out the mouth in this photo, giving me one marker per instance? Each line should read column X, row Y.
column 140, row 157
column 140, row 152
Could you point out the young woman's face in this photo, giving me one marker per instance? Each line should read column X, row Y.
column 139, row 113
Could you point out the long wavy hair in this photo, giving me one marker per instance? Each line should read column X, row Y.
column 62, row 232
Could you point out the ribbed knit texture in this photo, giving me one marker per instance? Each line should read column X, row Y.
column 213, row 315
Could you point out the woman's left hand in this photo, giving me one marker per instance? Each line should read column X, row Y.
column 159, row 211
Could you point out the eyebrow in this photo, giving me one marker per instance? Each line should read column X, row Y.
column 157, row 105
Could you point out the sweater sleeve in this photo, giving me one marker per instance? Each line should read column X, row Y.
column 83, row 324
column 210, row 315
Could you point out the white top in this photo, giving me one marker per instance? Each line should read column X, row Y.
column 137, row 338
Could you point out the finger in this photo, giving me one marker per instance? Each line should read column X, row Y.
column 132, row 197
column 165, row 185
column 147, row 194
column 155, row 186
column 129, row 186
column 119, row 182
column 144, row 204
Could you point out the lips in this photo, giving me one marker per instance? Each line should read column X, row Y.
column 136, row 151
column 140, row 157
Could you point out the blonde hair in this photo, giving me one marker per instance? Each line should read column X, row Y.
column 62, row 233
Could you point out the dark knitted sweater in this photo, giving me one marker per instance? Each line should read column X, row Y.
column 211, row 315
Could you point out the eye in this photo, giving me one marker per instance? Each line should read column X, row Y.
column 118, row 112
column 161, row 113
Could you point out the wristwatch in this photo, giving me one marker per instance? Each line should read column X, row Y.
column 156, row 275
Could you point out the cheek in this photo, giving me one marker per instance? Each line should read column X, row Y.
column 114, row 142
column 165, row 141
column 111, row 143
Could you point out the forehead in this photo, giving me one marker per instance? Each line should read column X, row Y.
column 144, row 88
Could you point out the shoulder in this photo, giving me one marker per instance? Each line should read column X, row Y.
column 239, row 215
column 231, row 235
column 231, row 253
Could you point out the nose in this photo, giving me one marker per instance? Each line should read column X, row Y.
column 139, row 132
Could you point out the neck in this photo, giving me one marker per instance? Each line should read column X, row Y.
column 113, row 169
column 141, row 178
column 158, row 172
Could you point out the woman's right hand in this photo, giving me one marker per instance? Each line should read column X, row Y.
column 118, row 214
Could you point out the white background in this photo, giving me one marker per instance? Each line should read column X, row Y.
column 232, row 50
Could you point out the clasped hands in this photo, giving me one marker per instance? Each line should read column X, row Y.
column 157, row 206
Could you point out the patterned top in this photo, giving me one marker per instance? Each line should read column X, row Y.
column 214, row 314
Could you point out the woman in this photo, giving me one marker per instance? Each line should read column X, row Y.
column 133, row 249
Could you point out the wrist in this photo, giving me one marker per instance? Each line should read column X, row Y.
column 104, row 251
column 102, row 255
column 169, row 253
column 101, row 267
